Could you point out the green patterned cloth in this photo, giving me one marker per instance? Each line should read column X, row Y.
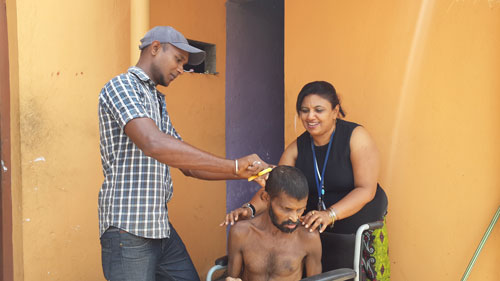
column 375, row 263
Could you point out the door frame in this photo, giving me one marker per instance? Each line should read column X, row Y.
column 6, row 255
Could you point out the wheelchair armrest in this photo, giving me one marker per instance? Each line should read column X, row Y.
column 358, row 242
column 333, row 275
column 375, row 225
column 222, row 261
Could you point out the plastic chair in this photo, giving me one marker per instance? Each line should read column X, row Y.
column 342, row 243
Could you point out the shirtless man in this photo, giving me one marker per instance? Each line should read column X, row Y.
column 275, row 245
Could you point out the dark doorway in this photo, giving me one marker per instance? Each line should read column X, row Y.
column 6, row 266
column 254, row 86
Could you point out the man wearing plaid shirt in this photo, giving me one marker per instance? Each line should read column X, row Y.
column 138, row 146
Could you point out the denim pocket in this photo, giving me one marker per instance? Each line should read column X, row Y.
column 106, row 254
column 135, row 247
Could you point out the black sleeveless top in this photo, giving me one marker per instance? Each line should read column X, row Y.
column 339, row 177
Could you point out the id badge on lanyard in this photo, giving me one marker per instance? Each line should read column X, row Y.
column 321, row 204
column 320, row 178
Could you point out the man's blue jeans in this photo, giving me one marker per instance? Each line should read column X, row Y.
column 126, row 257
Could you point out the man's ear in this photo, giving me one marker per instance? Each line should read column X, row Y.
column 265, row 196
column 156, row 47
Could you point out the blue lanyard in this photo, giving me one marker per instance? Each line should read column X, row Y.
column 320, row 182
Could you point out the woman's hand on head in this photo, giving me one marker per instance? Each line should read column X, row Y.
column 316, row 220
column 242, row 213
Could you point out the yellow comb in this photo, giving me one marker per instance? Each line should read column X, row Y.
column 263, row 172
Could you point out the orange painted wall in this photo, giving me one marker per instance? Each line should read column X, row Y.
column 196, row 103
column 59, row 62
column 62, row 53
column 422, row 77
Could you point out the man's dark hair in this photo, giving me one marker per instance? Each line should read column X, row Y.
column 322, row 89
column 289, row 180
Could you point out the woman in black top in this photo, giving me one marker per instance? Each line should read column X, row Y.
column 345, row 194
column 339, row 181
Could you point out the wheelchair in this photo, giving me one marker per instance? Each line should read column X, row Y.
column 343, row 245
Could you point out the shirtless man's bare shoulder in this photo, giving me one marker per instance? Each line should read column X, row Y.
column 309, row 238
column 274, row 245
column 275, row 256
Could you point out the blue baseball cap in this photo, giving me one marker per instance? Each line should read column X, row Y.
column 167, row 34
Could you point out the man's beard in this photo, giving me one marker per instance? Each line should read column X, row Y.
column 283, row 225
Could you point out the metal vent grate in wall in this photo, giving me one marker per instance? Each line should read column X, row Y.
column 208, row 65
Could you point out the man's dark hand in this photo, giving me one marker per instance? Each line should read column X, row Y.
column 250, row 165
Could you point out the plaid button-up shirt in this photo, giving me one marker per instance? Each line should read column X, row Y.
column 136, row 187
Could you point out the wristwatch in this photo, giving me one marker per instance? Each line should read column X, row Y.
column 252, row 208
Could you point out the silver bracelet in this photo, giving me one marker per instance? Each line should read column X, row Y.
column 236, row 166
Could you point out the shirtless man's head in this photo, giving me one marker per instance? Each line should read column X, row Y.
column 286, row 195
column 274, row 245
